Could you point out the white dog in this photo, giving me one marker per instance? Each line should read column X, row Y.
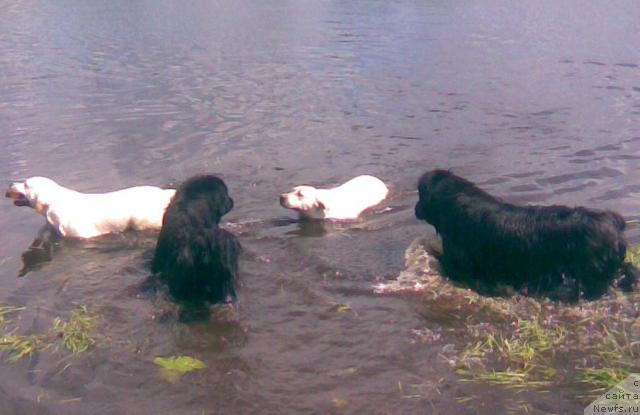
column 85, row 215
column 346, row 201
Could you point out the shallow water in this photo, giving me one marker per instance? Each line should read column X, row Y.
column 539, row 102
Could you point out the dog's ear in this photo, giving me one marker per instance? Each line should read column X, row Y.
column 320, row 205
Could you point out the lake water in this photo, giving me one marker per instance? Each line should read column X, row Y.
column 538, row 102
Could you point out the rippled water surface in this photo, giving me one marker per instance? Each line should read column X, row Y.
column 539, row 102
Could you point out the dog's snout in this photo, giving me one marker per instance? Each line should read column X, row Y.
column 283, row 199
column 12, row 192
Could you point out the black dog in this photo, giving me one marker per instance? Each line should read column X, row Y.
column 198, row 260
column 552, row 250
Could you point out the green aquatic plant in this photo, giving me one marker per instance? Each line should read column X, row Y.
column 76, row 332
column 342, row 308
column 18, row 347
column 524, row 355
column 172, row 368
column 603, row 378
column 616, row 357
column 506, row 377
column 6, row 309
column 615, row 348
column 536, row 354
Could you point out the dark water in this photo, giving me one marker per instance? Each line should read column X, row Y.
column 537, row 101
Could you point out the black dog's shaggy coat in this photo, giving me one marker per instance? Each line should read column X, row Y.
column 552, row 250
column 197, row 259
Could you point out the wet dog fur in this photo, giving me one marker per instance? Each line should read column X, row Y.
column 197, row 259
column 558, row 251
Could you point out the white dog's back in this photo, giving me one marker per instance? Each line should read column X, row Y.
column 138, row 208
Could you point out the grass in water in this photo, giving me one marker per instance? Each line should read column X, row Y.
column 528, row 356
column 4, row 310
column 76, row 332
column 18, row 347
column 523, row 355
column 602, row 379
column 592, row 345
column 616, row 354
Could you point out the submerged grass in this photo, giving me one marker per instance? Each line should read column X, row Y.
column 6, row 309
column 602, row 379
column 76, row 332
column 539, row 353
column 531, row 343
column 18, row 347
column 522, row 356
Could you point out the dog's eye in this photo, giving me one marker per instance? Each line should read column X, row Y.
column 299, row 193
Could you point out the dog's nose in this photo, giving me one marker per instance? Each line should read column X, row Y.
column 11, row 192
column 283, row 199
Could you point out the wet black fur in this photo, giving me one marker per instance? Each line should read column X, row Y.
column 197, row 259
column 556, row 251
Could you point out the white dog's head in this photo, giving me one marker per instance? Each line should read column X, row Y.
column 35, row 192
column 305, row 200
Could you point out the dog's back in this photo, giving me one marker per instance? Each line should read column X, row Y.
column 486, row 240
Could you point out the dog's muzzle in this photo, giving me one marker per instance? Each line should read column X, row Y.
column 284, row 201
column 19, row 198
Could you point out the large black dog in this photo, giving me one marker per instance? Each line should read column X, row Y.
column 557, row 251
column 197, row 259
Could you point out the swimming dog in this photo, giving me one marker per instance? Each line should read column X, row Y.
column 552, row 250
column 86, row 215
column 197, row 259
column 344, row 202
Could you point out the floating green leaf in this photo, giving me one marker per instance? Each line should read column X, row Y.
column 172, row 368
column 339, row 403
column 342, row 308
column 633, row 256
